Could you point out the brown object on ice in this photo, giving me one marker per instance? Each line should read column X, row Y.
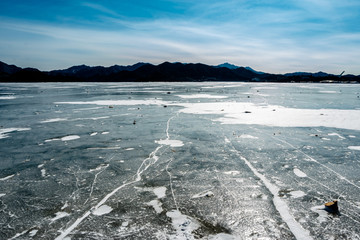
column 332, row 206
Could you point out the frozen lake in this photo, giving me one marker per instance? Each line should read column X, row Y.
column 179, row 161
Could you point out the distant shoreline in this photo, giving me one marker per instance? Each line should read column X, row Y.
column 165, row 72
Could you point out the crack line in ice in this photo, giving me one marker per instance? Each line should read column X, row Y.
column 314, row 160
column 95, row 177
column 171, row 187
column 299, row 232
column 152, row 155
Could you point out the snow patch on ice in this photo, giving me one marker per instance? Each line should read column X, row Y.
column 297, row 194
column 70, row 138
column 299, row 173
column 183, row 224
column 103, row 209
column 156, row 204
column 43, row 172
column 223, row 236
column 4, row 131
column 336, row 134
column 64, row 206
column 2, row 194
column 59, row 215
column 118, row 102
column 201, row 96
column 327, row 92
column 354, row 148
column 171, row 143
column 54, row 120
column 323, row 216
column 7, row 178
column 7, row 97
column 160, row 192
column 33, row 232
column 272, row 115
column 232, row 173
column 247, row 136
column 207, row 193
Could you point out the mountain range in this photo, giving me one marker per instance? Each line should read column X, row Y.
column 166, row 72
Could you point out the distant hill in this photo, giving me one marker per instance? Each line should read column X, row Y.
column 165, row 72
column 232, row 66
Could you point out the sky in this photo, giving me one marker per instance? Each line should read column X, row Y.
column 271, row 36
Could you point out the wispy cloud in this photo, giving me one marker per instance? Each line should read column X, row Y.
column 278, row 40
column 100, row 8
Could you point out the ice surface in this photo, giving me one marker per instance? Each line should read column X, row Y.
column 207, row 161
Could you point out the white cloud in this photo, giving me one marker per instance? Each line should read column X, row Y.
column 271, row 48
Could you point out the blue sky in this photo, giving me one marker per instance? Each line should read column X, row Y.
column 271, row 36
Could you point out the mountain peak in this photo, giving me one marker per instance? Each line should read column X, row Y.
column 228, row 65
